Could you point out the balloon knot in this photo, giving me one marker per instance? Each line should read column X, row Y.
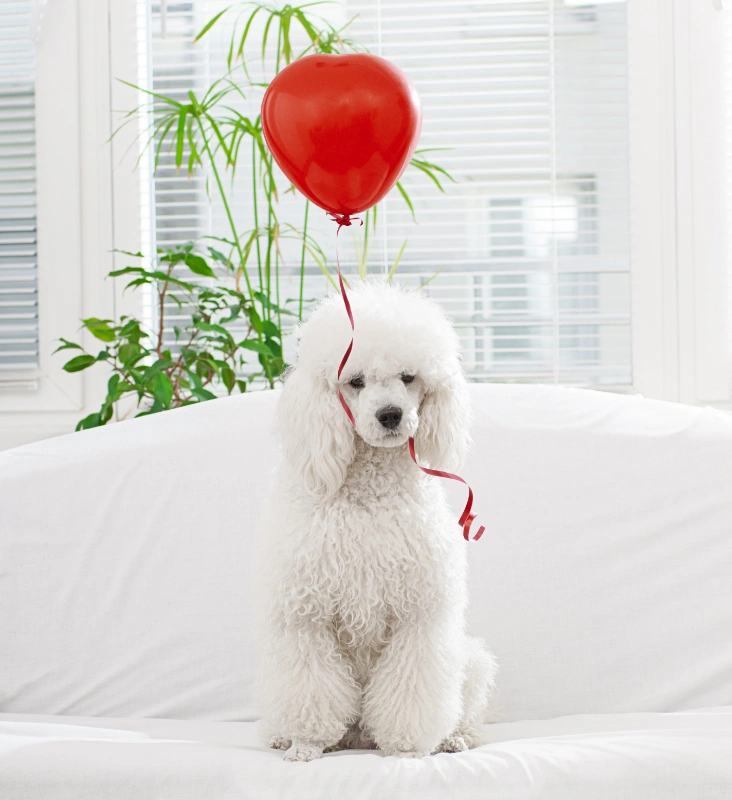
column 343, row 220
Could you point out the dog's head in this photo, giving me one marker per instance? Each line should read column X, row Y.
column 403, row 379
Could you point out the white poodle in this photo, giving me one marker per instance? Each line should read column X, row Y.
column 364, row 579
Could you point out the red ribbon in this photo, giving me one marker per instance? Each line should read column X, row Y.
column 344, row 221
column 467, row 517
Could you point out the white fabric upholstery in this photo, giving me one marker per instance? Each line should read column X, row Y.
column 125, row 557
column 602, row 582
column 682, row 756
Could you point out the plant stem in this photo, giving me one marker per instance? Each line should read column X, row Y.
column 161, row 313
column 280, row 34
column 237, row 242
column 227, row 208
column 277, row 287
column 302, row 258
column 255, row 194
column 178, row 366
column 271, row 220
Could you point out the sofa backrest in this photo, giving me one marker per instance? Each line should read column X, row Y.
column 603, row 582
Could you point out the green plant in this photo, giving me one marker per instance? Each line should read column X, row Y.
column 204, row 352
column 212, row 132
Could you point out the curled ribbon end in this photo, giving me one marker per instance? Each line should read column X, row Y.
column 467, row 517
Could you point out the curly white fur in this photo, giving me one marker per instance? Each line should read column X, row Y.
column 364, row 575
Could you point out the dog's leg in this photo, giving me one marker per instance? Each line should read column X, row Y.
column 309, row 692
column 480, row 672
column 413, row 699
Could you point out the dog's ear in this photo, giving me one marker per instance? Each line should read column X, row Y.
column 317, row 436
column 443, row 435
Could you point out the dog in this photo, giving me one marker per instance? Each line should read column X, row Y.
column 363, row 580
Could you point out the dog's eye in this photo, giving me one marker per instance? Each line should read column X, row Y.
column 407, row 378
column 357, row 382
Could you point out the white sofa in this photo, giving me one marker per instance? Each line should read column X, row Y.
column 603, row 584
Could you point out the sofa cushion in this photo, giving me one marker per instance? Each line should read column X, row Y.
column 125, row 558
column 602, row 581
column 604, row 757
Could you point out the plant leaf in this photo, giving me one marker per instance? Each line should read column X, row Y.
column 254, row 318
column 162, row 389
column 203, row 394
column 274, row 347
column 129, row 354
column 100, row 328
column 265, row 34
column 397, row 260
column 198, row 265
column 270, row 329
column 79, row 362
column 168, row 100
column 112, row 385
column 92, row 421
column 217, row 255
column 269, row 304
column 180, row 137
column 228, row 377
column 432, row 277
column 404, row 194
column 207, row 27
column 257, row 347
column 125, row 271
column 128, row 253
column 67, row 345
column 154, row 369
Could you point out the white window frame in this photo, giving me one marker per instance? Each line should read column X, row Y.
column 57, row 130
column 87, row 200
column 678, row 253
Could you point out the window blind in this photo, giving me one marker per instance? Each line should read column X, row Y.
column 525, row 103
column 18, row 264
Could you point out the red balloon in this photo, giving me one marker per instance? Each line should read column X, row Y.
column 342, row 128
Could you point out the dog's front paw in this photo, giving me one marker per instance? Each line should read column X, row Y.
column 452, row 744
column 303, row 751
column 279, row 743
column 472, row 737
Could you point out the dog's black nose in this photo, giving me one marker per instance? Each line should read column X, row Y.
column 389, row 416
